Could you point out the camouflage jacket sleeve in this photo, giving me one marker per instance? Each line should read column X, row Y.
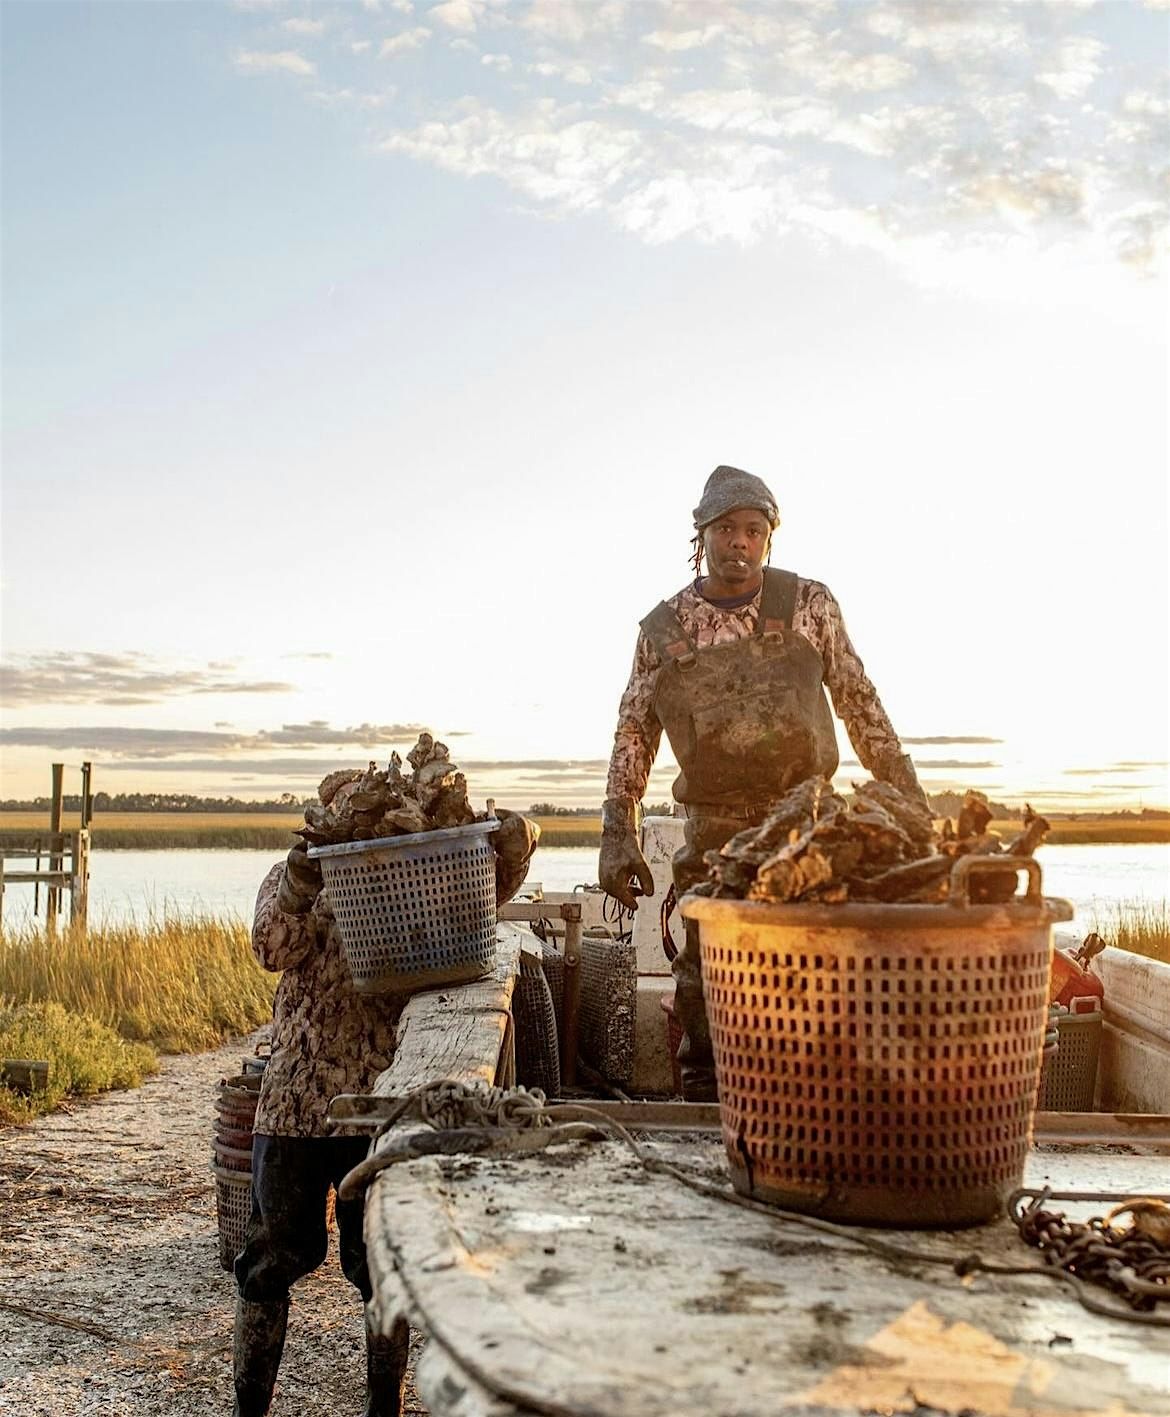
column 638, row 732
column 818, row 617
column 280, row 941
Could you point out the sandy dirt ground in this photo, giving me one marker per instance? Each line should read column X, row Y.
column 112, row 1299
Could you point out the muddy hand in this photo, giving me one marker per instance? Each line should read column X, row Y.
column 621, row 867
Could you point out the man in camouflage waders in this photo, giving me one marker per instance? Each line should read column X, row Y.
column 326, row 1039
column 734, row 668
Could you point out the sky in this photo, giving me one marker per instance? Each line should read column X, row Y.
column 362, row 364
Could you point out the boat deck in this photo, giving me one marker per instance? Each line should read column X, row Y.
column 576, row 1281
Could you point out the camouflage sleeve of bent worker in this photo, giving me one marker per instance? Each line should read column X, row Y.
column 279, row 940
column 818, row 617
column 638, row 732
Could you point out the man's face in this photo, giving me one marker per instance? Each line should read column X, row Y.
column 737, row 546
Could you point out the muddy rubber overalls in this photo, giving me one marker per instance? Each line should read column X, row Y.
column 747, row 721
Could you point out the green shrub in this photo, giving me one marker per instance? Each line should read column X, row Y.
column 84, row 1056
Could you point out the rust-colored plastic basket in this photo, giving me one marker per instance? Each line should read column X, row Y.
column 878, row 1064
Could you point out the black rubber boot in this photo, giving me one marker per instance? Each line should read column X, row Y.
column 386, row 1369
column 259, row 1342
column 696, row 1062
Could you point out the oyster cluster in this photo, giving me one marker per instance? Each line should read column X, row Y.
column 360, row 806
column 815, row 846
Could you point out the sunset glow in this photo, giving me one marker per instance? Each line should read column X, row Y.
column 362, row 365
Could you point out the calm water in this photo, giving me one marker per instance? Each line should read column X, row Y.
column 141, row 884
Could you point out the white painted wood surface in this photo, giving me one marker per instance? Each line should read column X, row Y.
column 456, row 1031
column 577, row 1283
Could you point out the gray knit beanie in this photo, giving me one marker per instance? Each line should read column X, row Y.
column 730, row 487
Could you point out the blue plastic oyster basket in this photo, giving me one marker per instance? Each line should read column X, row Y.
column 414, row 911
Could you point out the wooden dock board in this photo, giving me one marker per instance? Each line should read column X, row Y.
column 457, row 1031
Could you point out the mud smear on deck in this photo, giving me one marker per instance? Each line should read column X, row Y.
column 737, row 1296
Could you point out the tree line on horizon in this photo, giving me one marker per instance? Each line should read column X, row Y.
column 943, row 804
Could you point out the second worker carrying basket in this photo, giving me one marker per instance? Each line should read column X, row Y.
column 415, row 911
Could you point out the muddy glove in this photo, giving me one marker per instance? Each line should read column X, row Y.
column 300, row 884
column 621, row 857
column 514, row 844
column 899, row 772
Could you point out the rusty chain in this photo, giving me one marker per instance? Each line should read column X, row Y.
column 1130, row 1262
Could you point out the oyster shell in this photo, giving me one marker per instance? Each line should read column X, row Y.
column 814, row 846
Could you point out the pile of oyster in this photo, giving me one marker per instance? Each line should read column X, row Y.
column 882, row 846
column 359, row 806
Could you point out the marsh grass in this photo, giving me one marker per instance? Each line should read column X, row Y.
column 163, row 831
column 1141, row 927
column 1085, row 831
column 270, row 831
column 180, row 983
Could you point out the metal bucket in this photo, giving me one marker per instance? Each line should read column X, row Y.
column 414, row 911
column 879, row 1064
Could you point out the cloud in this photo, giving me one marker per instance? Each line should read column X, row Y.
column 953, row 140
column 681, row 40
column 1105, row 771
column 162, row 743
column 954, row 763
column 571, row 73
column 309, row 28
column 573, row 21
column 311, row 769
column 310, row 654
column 567, row 766
column 462, row 15
column 549, row 157
column 286, row 61
column 118, row 679
column 1075, row 66
column 941, row 740
column 407, row 40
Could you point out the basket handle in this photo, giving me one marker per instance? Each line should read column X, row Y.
column 967, row 866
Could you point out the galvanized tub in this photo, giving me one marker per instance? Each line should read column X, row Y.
column 879, row 1064
column 414, row 911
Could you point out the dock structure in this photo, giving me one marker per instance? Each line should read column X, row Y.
column 65, row 854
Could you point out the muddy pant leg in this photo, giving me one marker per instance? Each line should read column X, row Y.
column 703, row 833
column 696, row 1064
column 286, row 1237
column 386, row 1354
column 351, row 1242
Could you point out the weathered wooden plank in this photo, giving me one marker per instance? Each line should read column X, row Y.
column 580, row 1284
column 456, row 1032
column 53, row 895
column 28, row 878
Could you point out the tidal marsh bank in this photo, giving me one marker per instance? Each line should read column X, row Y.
column 101, row 1006
column 160, row 831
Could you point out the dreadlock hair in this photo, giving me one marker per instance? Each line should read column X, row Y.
column 697, row 553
